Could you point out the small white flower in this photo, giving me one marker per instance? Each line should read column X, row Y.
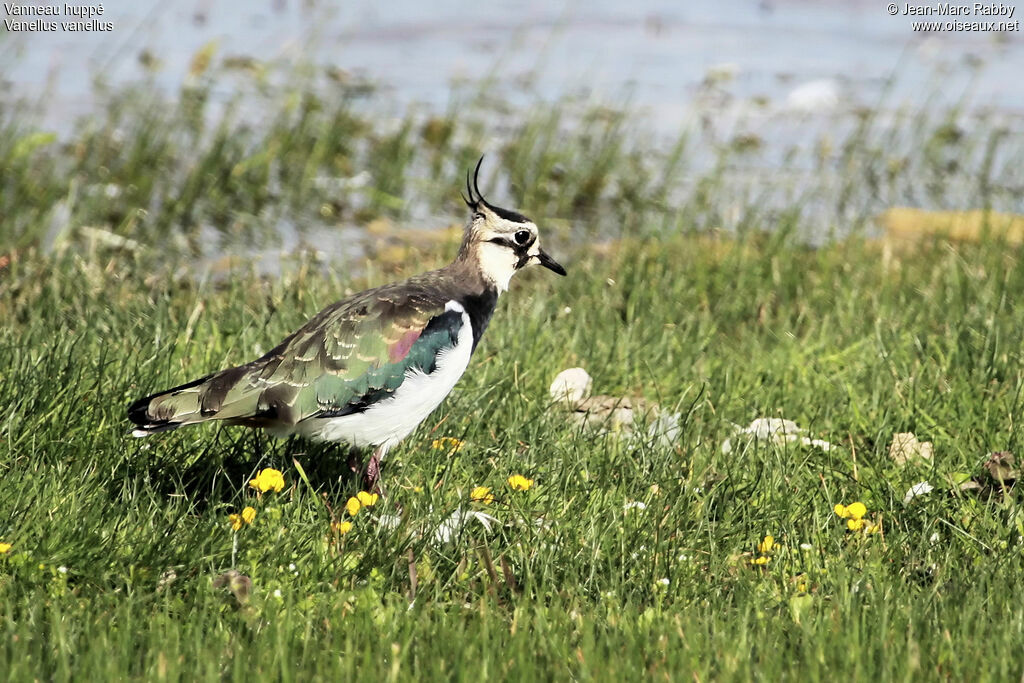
column 277, row 593
column 664, row 581
column 62, row 569
column 634, row 505
column 806, row 546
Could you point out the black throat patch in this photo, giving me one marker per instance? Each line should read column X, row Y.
column 480, row 308
column 521, row 253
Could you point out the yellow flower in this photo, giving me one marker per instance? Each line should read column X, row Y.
column 367, row 499
column 5, row 548
column 482, row 494
column 519, row 482
column 857, row 510
column 766, row 546
column 268, row 480
column 448, row 444
column 762, row 560
column 852, row 511
column 352, row 506
column 342, row 527
column 855, row 524
column 238, row 521
column 872, row 528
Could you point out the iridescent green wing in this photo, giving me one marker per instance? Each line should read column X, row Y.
column 349, row 356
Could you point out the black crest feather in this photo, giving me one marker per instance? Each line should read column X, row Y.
column 474, row 201
column 476, row 197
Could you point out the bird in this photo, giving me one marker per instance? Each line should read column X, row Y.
column 368, row 369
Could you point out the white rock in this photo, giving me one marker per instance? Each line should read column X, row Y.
column 451, row 527
column 918, row 489
column 906, row 448
column 777, row 430
column 817, row 443
column 571, row 386
column 388, row 522
column 665, row 428
column 774, row 427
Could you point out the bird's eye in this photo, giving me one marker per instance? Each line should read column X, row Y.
column 522, row 236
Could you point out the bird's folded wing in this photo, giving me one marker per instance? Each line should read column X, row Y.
column 348, row 357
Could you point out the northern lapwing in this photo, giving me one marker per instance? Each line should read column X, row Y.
column 368, row 369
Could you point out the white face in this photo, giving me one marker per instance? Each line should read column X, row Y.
column 502, row 241
column 505, row 246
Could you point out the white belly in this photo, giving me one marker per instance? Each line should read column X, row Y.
column 388, row 422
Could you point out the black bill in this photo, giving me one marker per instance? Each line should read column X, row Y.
column 550, row 263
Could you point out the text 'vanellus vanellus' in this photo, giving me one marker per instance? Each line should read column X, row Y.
column 368, row 369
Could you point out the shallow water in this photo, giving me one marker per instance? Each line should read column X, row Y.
column 795, row 54
column 789, row 74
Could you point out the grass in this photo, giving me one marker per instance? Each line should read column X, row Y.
column 852, row 344
column 690, row 285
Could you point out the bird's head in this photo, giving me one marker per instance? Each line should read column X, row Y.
column 500, row 241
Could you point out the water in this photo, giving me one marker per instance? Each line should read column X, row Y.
column 656, row 54
column 787, row 72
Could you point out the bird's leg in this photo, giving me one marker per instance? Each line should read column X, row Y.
column 372, row 477
column 355, row 461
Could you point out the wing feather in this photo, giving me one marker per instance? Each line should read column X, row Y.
column 344, row 359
